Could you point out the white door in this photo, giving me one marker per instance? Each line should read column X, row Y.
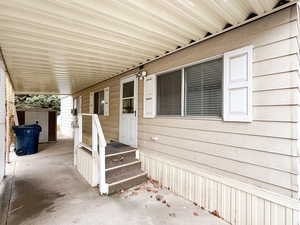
column 32, row 117
column 128, row 111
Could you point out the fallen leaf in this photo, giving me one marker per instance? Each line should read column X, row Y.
column 149, row 189
column 195, row 214
column 159, row 197
column 134, row 193
column 172, row 214
column 154, row 181
column 215, row 213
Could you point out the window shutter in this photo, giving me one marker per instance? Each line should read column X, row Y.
column 106, row 101
column 91, row 102
column 2, row 96
column 238, row 85
column 150, row 96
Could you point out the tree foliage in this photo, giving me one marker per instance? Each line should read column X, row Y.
column 38, row 101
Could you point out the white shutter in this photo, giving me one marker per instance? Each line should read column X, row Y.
column 2, row 96
column 106, row 101
column 91, row 102
column 238, row 85
column 150, row 96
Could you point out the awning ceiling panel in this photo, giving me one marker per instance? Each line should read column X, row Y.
column 54, row 46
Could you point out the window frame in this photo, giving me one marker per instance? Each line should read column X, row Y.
column 183, row 89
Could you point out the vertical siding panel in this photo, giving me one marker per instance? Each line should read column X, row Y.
column 243, row 208
column 281, row 215
column 288, row 216
column 227, row 203
column 233, row 206
column 238, row 204
column 254, row 210
column 249, row 208
column 260, row 211
column 215, row 196
column 295, row 217
column 219, row 198
column 274, row 216
column 267, row 213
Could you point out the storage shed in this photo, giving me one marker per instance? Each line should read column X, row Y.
column 45, row 118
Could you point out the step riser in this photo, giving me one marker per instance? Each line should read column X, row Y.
column 127, row 184
column 124, row 169
column 127, row 158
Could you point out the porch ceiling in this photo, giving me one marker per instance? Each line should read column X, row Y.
column 54, row 46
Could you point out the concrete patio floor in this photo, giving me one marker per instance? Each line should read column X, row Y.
column 47, row 190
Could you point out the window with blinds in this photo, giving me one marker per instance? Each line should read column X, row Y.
column 203, row 89
column 169, row 93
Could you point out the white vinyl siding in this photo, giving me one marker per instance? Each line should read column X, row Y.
column 264, row 152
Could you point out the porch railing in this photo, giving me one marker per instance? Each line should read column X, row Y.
column 97, row 146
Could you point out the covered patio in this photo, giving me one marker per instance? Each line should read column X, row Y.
column 233, row 158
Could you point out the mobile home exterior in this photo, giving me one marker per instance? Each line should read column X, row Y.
column 217, row 122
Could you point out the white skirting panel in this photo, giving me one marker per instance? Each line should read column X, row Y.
column 86, row 166
column 236, row 202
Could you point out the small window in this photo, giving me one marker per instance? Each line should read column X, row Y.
column 99, row 103
column 169, row 93
column 128, row 97
column 203, row 89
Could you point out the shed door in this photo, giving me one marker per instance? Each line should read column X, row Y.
column 42, row 118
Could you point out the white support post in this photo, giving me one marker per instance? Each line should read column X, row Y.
column 95, row 154
column 100, row 149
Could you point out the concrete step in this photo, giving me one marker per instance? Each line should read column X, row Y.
column 126, row 180
column 122, row 169
column 120, row 159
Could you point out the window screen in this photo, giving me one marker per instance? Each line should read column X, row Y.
column 203, row 89
column 169, row 93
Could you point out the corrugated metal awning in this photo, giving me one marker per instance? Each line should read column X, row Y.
column 55, row 46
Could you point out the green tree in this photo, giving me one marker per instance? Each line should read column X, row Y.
column 38, row 101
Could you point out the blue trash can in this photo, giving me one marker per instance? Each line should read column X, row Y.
column 27, row 139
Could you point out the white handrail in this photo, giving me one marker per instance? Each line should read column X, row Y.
column 98, row 148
